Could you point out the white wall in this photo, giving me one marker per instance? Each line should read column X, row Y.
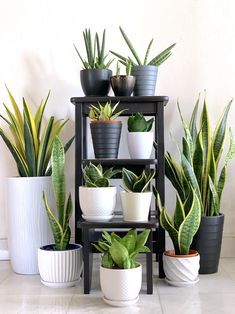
column 37, row 54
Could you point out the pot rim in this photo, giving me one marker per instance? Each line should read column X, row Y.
column 138, row 132
column 106, row 121
column 77, row 247
column 171, row 253
column 139, row 267
column 28, row 178
column 97, row 188
column 123, row 76
column 98, row 70
column 212, row 217
column 136, row 193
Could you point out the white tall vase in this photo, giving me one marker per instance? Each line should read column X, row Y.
column 28, row 226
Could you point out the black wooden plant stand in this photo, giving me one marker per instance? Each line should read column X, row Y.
column 86, row 232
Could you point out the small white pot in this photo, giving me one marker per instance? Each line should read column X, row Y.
column 135, row 206
column 28, row 225
column 181, row 270
column 60, row 269
column 121, row 287
column 97, row 203
column 140, row 144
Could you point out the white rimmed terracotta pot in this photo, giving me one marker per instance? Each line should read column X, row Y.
column 121, row 287
column 60, row 269
column 28, row 226
column 97, row 203
column 181, row 270
column 140, row 144
column 135, row 206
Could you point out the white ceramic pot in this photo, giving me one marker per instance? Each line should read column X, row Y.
column 60, row 269
column 135, row 206
column 97, row 203
column 28, row 226
column 140, row 144
column 121, row 287
column 181, row 270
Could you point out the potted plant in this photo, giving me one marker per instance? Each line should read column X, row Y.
column 181, row 265
column 60, row 263
column 120, row 274
column 200, row 162
column 97, row 198
column 146, row 71
column 123, row 85
column 105, row 129
column 95, row 77
column 135, row 198
column 30, row 144
column 139, row 136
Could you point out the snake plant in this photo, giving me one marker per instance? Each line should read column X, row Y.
column 59, row 226
column 134, row 183
column 138, row 123
column 95, row 51
column 104, row 112
column 184, row 223
column 121, row 252
column 200, row 164
column 29, row 143
column 157, row 60
column 95, row 177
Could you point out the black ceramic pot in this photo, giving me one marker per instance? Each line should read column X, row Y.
column 95, row 82
column 207, row 241
column 146, row 78
column 106, row 138
column 123, row 85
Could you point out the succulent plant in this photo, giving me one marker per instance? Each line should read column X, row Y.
column 134, row 183
column 104, row 113
column 121, row 252
column 138, row 123
column 94, row 176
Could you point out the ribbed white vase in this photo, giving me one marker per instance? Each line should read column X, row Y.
column 28, row 227
column 59, row 269
column 181, row 270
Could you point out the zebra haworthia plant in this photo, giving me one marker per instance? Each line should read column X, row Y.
column 29, row 144
column 59, row 226
column 200, row 160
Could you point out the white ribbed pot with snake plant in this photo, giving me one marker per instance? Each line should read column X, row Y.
column 181, row 265
column 60, row 264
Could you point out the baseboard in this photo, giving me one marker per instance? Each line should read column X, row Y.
column 4, row 254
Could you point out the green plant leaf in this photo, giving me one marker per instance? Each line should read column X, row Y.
column 140, row 183
column 130, row 46
column 198, row 161
column 148, row 180
column 128, row 178
column 107, row 260
column 29, row 150
column 179, row 214
column 214, row 204
column 161, row 57
column 102, row 182
column 193, row 121
column 147, row 52
column 119, row 253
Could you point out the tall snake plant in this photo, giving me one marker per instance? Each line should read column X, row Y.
column 29, row 143
column 200, row 160
column 60, row 227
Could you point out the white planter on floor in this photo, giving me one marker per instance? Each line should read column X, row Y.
column 121, row 287
column 97, row 203
column 28, row 226
column 60, row 269
column 140, row 144
column 181, row 270
column 135, row 206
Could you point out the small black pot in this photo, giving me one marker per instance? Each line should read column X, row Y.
column 95, row 82
column 123, row 85
column 207, row 241
column 106, row 138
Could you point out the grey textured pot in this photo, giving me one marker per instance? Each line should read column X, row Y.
column 207, row 241
column 106, row 138
column 95, row 82
column 146, row 78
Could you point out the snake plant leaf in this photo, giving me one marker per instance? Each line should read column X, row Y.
column 161, row 57
column 189, row 226
column 55, row 226
column 139, row 184
column 147, row 51
column 186, row 150
column 99, row 249
column 219, row 134
column 85, row 64
column 109, row 173
column 148, row 180
column 198, row 160
column 214, row 204
column 58, row 178
column 193, row 121
column 64, row 242
column 30, row 150
column 179, row 214
column 142, row 238
column 188, row 202
column 129, row 240
column 93, row 172
column 128, row 178
column 67, row 212
column 119, row 56
column 150, row 124
column 102, row 182
column 130, row 46
column 107, row 237
column 103, row 245
column 107, row 260
column 39, row 114
column 205, row 132
column 231, row 150
column 119, row 253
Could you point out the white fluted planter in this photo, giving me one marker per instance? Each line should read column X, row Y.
column 135, row 206
column 28, row 226
column 121, row 287
column 181, row 270
column 60, row 269
column 97, row 203
column 140, row 144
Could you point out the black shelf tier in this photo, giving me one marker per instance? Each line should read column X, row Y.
column 120, row 162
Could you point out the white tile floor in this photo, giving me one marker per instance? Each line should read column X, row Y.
column 214, row 294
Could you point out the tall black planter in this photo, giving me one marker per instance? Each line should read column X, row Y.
column 106, row 138
column 207, row 242
column 146, row 78
column 95, row 82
